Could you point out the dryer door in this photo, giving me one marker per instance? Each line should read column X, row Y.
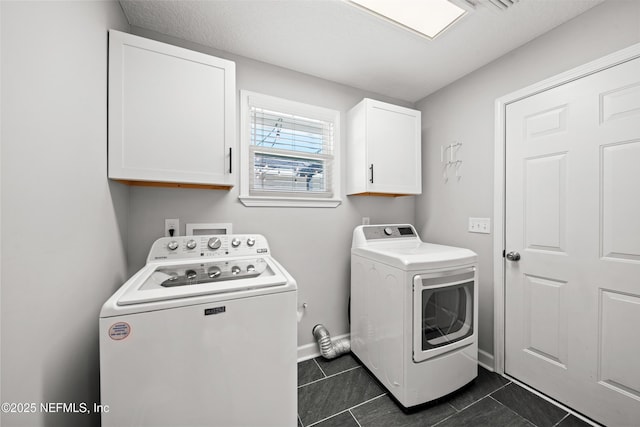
column 443, row 312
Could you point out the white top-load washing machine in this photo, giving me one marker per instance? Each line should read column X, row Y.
column 203, row 335
column 414, row 312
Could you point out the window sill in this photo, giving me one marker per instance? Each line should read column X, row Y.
column 289, row 202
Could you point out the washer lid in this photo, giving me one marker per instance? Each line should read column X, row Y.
column 416, row 255
column 159, row 282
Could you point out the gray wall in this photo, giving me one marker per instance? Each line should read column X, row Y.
column 464, row 112
column 313, row 244
column 70, row 237
column 63, row 223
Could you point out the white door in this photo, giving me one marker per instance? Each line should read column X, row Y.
column 572, row 327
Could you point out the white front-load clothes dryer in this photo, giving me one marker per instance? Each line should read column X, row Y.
column 205, row 334
column 414, row 312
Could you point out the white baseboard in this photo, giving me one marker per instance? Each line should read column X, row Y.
column 486, row 360
column 309, row 351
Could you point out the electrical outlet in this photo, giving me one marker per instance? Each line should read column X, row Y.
column 480, row 225
column 172, row 224
column 366, row 220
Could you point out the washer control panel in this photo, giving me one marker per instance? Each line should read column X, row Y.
column 207, row 246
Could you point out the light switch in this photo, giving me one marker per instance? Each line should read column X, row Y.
column 480, row 225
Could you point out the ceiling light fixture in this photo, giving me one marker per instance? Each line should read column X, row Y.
column 428, row 18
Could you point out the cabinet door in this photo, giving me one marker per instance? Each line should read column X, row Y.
column 393, row 149
column 171, row 113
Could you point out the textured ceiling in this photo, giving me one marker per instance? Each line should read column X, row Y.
column 337, row 41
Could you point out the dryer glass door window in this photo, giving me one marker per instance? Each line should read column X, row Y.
column 443, row 312
column 446, row 315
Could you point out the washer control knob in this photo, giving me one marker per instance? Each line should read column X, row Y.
column 251, row 241
column 235, row 270
column 388, row 231
column 191, row 274
column 251, row 268
column 172, row 245
column 191, row 244
column 214, row 272
column 214, row 243
column 235, row 242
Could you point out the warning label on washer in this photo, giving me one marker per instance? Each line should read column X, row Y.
column 119, row 331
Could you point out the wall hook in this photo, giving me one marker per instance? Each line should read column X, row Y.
column 452, row 161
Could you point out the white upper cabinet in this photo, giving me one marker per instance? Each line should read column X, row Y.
column 171, row 115
column 383, row 150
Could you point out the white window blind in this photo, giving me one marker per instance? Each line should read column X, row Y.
column 290, row 154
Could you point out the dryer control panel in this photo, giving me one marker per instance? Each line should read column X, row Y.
column 388, row 231
column 207, row 246
column 363, row 235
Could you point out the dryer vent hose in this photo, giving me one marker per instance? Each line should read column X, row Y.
column 329, row 349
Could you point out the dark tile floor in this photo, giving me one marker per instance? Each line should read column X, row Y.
column 341, row 393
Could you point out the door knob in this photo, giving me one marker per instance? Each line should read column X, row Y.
column 513, row 256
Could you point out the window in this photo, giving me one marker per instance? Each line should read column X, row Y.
column 290, row 153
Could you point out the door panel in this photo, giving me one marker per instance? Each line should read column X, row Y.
column 620, row 314
column 545, row 325
column 547, row 122
column 620, row 225
column 572, row 209
column 620, row 103
column 545, row 201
